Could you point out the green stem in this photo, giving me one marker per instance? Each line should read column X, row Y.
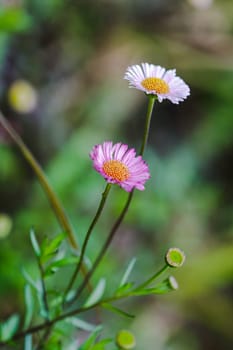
column 51, row 195
column 117, row 223
column 44, row 292
column 152, row 278
column 50, row 323
column 150, row 106
column 104, row 248
column 87, row 237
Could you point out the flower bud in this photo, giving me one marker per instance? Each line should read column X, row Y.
column 172, row 282
column 125, row 340
column 175, row 257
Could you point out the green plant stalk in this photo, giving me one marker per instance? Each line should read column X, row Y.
column 117, row 223
column 152, row 278
column 51, row 195
column 61, row 317
column 87, row 237
column 104, row 248
column 150, row 107
column 44, row 338
column 44, row 292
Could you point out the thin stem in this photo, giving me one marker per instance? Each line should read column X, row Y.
column 54, row 201
column 104, row 248
column 150, row 106
column 44, row 292
column 152, row 278
column 51, row 195
column 44, row 338
column 125, row 209
column 50, row 323
column 87, row 237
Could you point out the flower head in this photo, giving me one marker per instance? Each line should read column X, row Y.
column 155, row 80
column 175, row 257
column 125, row 340
column 119, row 165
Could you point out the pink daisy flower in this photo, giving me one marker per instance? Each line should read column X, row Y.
column 157, row 81
column 118, row 164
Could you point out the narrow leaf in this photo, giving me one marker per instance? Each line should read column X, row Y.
column 43, row 312
column 34, row 284
column 150, row 291
column 29, row 305
column 50, row 248
column 123, row 289
column 117, row 310
column 51, row 268
column 28, row 342
column 35, row 244
column 101, row 345
column 92, row 338
column 97, row 293
column 55, row 302
column 127, row 272
column 9, row 327
column 81, row 324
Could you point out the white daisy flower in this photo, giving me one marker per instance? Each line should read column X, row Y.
column 156, row 80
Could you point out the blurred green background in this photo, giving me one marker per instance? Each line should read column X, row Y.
column 73, row 55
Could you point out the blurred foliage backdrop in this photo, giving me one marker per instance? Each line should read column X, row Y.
column 73, row 55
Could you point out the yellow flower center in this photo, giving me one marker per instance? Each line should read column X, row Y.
column 155, row 84
column 116, row 170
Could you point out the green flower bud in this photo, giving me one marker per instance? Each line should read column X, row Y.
column 172, row 282
column 175, row 257
column 125, row 340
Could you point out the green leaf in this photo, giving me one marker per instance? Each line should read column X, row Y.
column 128, row 272
column 43, row 311
column 28, row 342
column 50, row 269
column 35, row 284
column 9, row 327
column 35, row 244
column 56, row 302
column 50, row 248
column 29, row 304
column 14, row 20
column 91, row 339
column 162, row 289
column 124, row 288
column 97, row 293
column 81, row 324
column 101, row 344
column 117, row 310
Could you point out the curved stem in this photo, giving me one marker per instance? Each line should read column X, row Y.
column 87, row 237
column 51, row 195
